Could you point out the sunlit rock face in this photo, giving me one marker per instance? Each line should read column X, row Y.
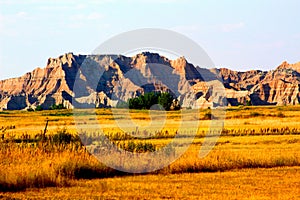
column 108, row 80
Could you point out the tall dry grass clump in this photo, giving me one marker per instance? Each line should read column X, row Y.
column 23, row 167
column 224, row 160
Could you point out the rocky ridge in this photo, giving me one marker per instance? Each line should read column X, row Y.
column 108, row 80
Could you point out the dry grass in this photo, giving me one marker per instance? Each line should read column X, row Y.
column 26, row 167
column 275, row 183
column 248, row 141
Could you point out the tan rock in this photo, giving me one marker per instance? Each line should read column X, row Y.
column 105, row 80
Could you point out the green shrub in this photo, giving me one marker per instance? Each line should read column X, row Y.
column 139, row 147
column 63, row 137
column 248, row 103
column 57, row 107
column 165, row 100
column 39, row 108
column 147, row 100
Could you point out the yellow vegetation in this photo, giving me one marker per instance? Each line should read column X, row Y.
column 261, row 137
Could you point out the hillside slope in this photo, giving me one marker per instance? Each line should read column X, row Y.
column 106, row 80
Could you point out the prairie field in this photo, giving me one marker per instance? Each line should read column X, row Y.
column 53, row 154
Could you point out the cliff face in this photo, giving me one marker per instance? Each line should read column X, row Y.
column 44, row 87
column 99, row 81
column 275, row 87
column 106, row 80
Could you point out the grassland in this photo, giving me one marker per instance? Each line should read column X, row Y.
column 257, row 155
column 277, row 183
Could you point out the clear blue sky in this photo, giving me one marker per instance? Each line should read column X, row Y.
column 241, row 35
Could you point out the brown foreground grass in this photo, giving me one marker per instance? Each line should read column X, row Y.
column 39, row 167
column 275, row 183
column 253, row 140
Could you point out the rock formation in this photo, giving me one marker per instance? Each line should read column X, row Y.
column 108, row 80
column 275, row 87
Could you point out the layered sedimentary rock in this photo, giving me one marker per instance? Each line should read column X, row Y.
column 275, row 87
column 110, row 80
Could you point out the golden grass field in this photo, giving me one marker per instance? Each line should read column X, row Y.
column 256, row 157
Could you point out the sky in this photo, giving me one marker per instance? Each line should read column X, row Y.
column 238, row 34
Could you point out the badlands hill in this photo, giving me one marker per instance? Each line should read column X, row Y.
column 108, row 80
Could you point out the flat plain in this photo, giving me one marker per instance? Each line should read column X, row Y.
column 257, row 155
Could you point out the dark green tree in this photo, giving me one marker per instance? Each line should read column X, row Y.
column 248, row 103
column 135, row 103
column 39, row 108
column 165, row 100
column 57, row 107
